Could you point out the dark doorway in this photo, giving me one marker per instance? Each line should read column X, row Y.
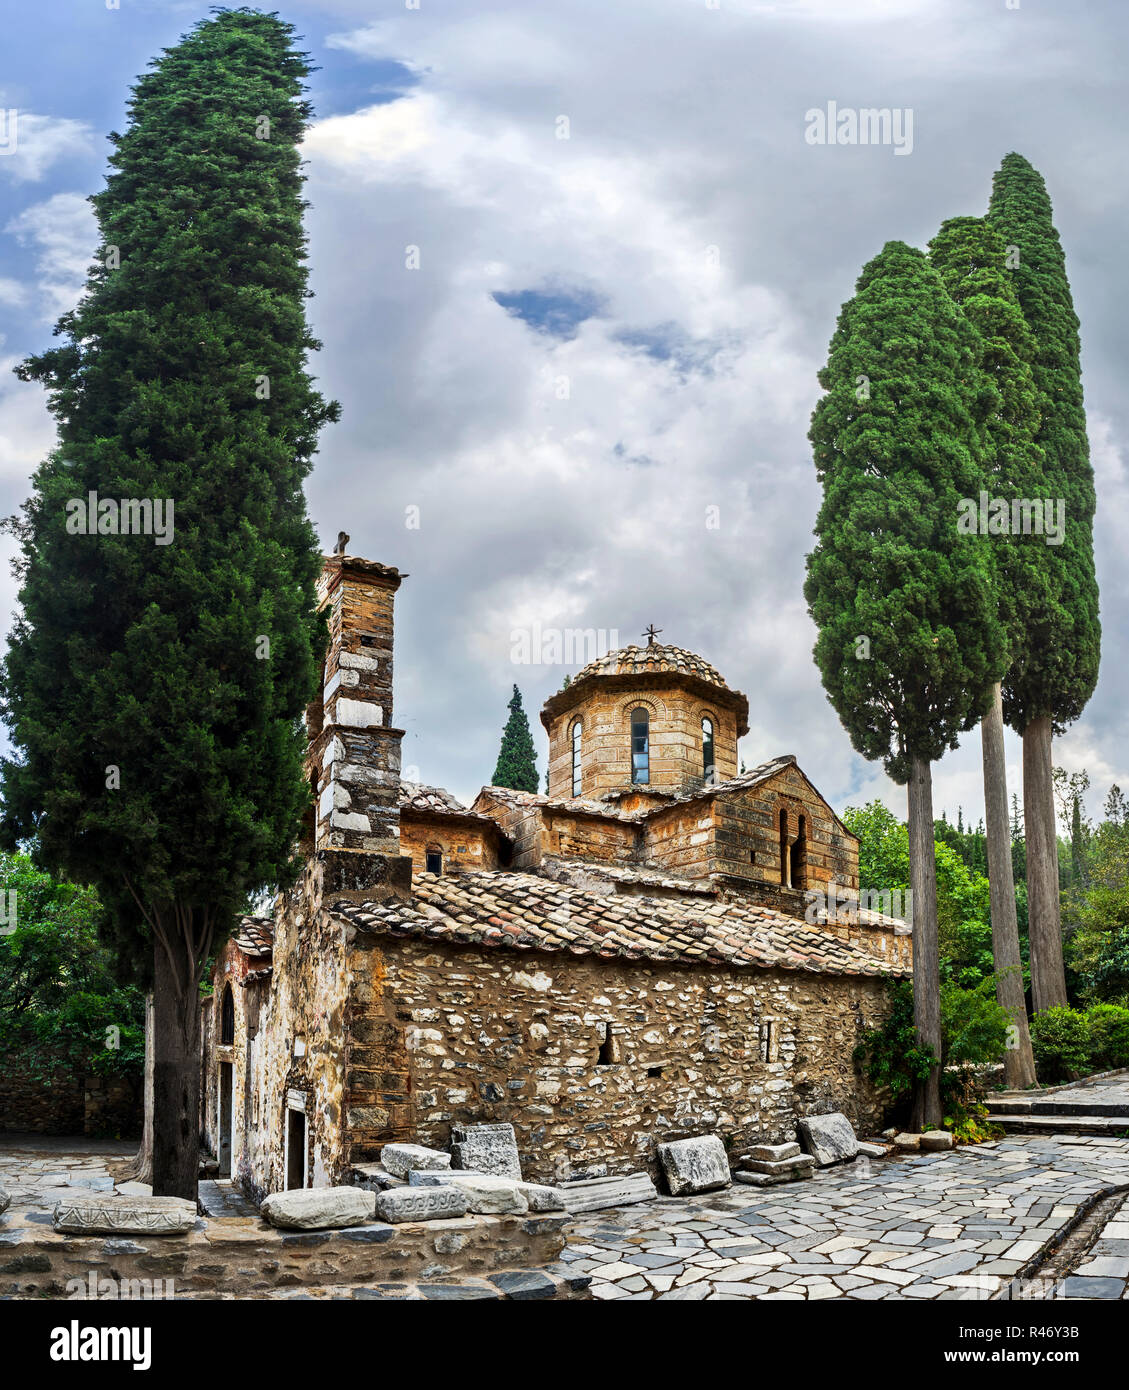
column 295, row 1149
column 225, row 1118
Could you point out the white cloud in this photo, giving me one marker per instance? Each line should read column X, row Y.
column 63, row 231
column 30, row 145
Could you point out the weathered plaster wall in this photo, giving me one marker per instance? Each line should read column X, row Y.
column 451, row 1034
column 463, row 844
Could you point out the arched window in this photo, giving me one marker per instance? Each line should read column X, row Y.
column 784, row 866
column 708, row 769
column 227, row 1018
column 640, row 746
column 576, row 732
column 798, row 848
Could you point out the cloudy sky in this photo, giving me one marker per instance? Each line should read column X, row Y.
column 610, row 334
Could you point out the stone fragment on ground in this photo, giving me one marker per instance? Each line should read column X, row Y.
column 489, row 1194
column 402, row 1159
column 486, row 1149
column 694, row 1165
column 868, row 1150
column 319, row 1208
column 772, row 1153
column 828, row 1138
column 616, row 1190
column 4, row 1200
column 401, row 1204
column 936, row 1141
column 376, row 1176
column 908, row 1143
column 114, row 1215
column 799, row 1165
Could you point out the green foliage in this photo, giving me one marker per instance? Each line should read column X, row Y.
column 517, row 757
column 1060, row 1038
column 1055, row 664
column 148, row 658
column 896, row 446
column 59, row 996
column 1108, row 1026
column 973, row 1032
column 893, row 1058
column 963, row 916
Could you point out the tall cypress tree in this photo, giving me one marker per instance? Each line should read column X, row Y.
column 909, row 639
column 517, row 757
column 1053, row 675
column 970, row 255
column 155, row 689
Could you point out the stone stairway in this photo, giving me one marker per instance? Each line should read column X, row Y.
column 1098, row 1105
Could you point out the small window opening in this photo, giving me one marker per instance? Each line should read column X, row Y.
column 654, row 1071
column 577, row 729
column 434, row 861
column 709, row 772
column 227, row 1018
column 609, row 1048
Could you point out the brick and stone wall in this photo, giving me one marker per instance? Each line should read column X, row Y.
column 675, row 712
column 37, row 1097
column 595, row 1062
column 463, row 844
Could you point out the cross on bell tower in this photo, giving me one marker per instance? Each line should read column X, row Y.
column 650, row 633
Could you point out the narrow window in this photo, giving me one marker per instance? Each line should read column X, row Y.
column 227, row 1018
column 640, row 746
column 576, row 731
column 609, row 1048
column 784, row 882
column 707, row 751
column 797, row 861
column 434, row 860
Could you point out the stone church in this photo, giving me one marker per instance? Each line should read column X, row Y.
column 636, row 956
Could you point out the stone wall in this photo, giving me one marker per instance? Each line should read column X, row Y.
column 464, row 844
column 40, row 1099
column 595, row 1062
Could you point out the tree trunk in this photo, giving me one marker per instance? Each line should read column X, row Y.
column 1019, row 1063
column 1044, row 915
column 926, row 965
column 176, row 1072
column 141, row 1170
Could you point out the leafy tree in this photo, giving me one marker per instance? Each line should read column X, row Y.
column 896, row 448
column 517, row 757
column 1053, row 672
column 155, row 691
column 60, row 1000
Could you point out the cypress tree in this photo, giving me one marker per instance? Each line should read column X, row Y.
column 909, row 639
column 517, row 757
column 970, row 255
column 1053, row 675
column 155, row 690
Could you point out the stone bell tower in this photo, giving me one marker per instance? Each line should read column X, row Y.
column 353, row 759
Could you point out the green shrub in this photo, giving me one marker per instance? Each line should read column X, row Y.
column 1060, row 1038
column 890, row 1054
column 1108, row 1026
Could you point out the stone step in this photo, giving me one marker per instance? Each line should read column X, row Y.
column 591, row 1194
column 774, row 1179
column 1061, row 1124
column 1061, row 1107
column 797, row 1163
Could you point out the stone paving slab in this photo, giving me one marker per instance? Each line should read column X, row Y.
column 936, row 1226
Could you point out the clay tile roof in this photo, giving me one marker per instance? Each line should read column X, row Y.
column 576, row 805
column 415, row 796
column 635, row 660
column 254, row 936
column 526, row 911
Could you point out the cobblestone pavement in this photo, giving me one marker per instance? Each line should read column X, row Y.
column 1110, row 1089
column 36, row 1170
column 956, row 1225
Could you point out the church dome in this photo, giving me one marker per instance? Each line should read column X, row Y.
column 651, row 660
